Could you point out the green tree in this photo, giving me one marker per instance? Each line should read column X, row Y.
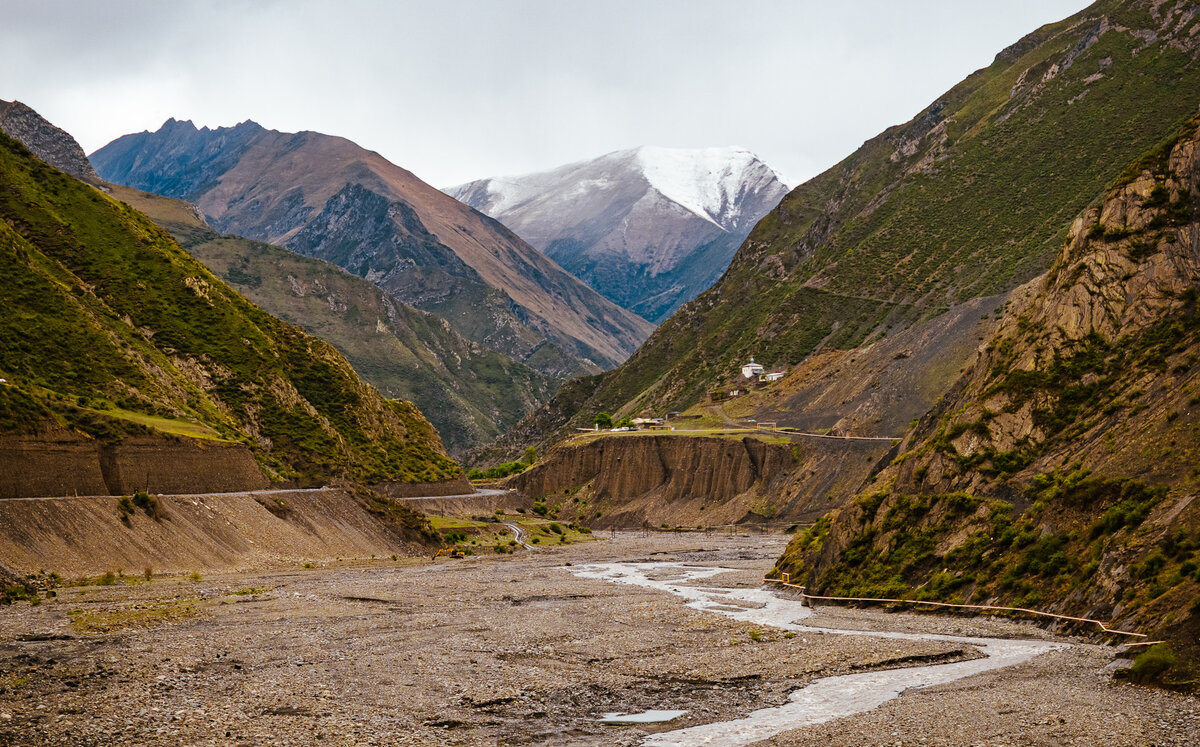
column 530, row 455
column 604, row 420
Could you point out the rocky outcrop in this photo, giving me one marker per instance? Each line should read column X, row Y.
column 687, row 481
column 44, row 140
column 87, row 535
column 1059, row 472
column 61, row 463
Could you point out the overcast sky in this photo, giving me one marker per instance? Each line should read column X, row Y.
column 460, row 90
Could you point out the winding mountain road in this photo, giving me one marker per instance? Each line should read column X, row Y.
column 519, row 534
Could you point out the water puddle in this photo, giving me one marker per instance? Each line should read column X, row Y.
column 645, row 717
column 825, row 699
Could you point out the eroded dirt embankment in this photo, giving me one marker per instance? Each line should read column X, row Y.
column 86, row 535
column 633, row 481
column 66, row 463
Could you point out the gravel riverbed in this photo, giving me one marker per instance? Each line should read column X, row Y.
column 514, row 649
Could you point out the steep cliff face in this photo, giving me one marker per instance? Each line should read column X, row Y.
column 643, row 480
column 1060, row 471
column 60, row 463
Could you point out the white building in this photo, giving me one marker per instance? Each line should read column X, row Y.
column 752, row 369
column 773, row 376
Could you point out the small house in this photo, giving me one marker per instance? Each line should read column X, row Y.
column 752, row 369
column 772, row 376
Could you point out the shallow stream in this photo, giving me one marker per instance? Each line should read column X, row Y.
column 825, row 699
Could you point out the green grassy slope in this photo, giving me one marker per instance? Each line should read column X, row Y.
column 111, row 328
column 1060, row 472
column 968, row 199
column 471, row 394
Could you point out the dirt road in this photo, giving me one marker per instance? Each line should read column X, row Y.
column 512, row 649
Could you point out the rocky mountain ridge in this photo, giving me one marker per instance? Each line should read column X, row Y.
column 649, row 228
column 330, row 199
column 47, row 142
column 469, row 393
column 1059, row 471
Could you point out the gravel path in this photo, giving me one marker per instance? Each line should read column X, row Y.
column 510, row 649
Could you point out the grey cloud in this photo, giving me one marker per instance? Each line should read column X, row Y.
column 460, row 90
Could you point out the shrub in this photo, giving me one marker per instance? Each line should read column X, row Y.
column 147, row 503
column 504, row 469
column 17, row 592
column 125, row 509
column 1151, row 665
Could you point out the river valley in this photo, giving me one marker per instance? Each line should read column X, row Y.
column 539, row 647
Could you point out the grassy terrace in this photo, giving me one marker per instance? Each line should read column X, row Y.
column 726, row 432
column 170, row 426
column 487, row 534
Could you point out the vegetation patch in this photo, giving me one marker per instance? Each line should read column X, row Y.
column 137, row 616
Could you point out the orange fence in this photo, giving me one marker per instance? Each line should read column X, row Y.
column 786, row 581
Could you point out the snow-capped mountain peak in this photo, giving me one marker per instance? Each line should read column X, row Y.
column 710, row 182
column 648, row 227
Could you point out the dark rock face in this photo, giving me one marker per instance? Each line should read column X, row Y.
column 185, row 163
column 44, row 140
column 687, row 481
column 385, row 240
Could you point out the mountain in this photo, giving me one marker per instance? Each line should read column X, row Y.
column 115, row 338
column 47, row 142
column 469, row 393
column 868, row 282
column 1060, row 470
column 649, row 228
column 330, row 199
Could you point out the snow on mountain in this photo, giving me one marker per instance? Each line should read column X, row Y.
column 711, row 182
column 649, row 228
